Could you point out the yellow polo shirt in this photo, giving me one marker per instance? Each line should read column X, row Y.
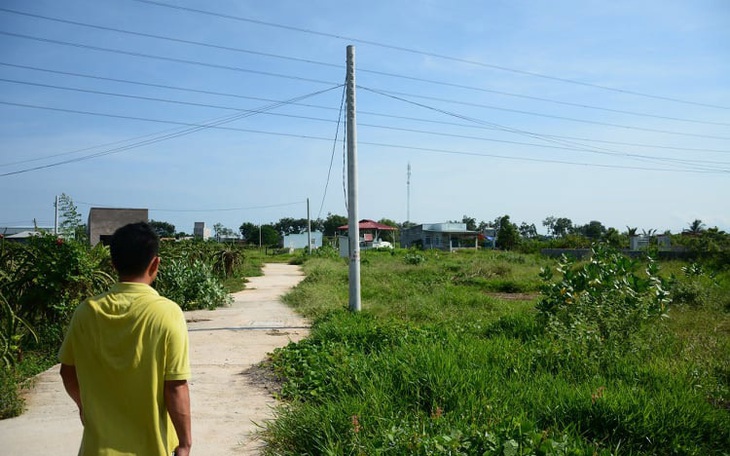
column 124, row 344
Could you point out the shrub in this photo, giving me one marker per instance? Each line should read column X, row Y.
column 191, row 285
column 413, row 258
column 598, row 307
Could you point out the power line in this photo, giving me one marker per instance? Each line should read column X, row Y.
column 169, row 38
column 192, row 129
column 228, row 209
column 168, row 59
column 432, row 54
column 334, row 147
column 393, row 94
column 362, row 70
column 396, row 146
column 206, row 105
column 440, row 122
column 201, row 126
column 501, row 127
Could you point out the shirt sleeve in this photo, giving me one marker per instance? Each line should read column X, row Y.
column 177, row 363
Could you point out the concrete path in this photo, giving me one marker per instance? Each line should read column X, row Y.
column 228, row 398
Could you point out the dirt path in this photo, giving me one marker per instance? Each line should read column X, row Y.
column 228, row 399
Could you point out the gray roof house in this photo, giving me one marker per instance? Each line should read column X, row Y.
column 443, row 236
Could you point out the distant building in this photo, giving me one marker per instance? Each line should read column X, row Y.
column 442, row 236
column 299, row 241
column 662, row 242
column 200, row 231
column 103, row 222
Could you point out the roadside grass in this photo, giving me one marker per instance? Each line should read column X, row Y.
column 438, row 364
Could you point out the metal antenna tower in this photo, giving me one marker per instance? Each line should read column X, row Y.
column 408, row 196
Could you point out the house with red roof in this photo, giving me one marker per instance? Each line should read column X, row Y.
column 370, row 233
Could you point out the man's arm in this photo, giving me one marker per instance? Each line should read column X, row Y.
column 71, row 383
column 177, row 401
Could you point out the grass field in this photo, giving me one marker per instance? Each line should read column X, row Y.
column 451, row 356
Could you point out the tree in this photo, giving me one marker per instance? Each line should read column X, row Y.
column 696, row 227
column 528, row 231
column 507, row 237
column 249, row 232
column 549, row 223
column 394, row 224
column 593, row 230
column 631, row 232
column 290, row 225
column 163, row 229
column 613, row 238
column 69, row 217
column 471, row 222
column 269, row 235
column 221, row 231
column 332, row 222
column 562, row 226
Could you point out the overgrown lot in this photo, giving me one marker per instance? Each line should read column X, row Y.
column 482, row 353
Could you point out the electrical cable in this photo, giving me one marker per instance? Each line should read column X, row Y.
column 334, row 147
column 501, row 127
column 193, row 128
column 433, row 54
column 201, row 126
column 361, row 112
column 362, row 70
column 168, row 59
column 228, row 209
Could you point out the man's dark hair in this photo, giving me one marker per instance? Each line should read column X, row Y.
column 133, row 246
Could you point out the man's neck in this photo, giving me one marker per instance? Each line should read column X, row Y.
column 144, row 280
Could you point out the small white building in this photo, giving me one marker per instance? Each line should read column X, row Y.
column 299, row 241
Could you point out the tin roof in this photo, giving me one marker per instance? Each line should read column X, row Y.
column 365, row 224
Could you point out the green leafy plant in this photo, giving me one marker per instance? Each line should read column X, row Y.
column 598, row 307
column 192, row 285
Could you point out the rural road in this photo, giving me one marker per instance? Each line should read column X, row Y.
column 227, row 398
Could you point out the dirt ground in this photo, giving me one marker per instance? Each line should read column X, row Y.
column 230, row 396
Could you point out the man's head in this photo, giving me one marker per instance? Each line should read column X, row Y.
column 134, row 247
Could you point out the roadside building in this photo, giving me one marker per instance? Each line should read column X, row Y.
column 299, row 241
column 443, row 236
column 103, row 222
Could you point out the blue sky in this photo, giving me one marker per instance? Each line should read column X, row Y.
column 592, row 110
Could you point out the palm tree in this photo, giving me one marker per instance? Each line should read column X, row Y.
column 696, row 227
column 631, row 231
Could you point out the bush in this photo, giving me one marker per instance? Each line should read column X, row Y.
column 597, row 308
column 191, row 285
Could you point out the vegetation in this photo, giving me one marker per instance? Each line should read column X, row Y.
column 43, row 280
column 510, row 354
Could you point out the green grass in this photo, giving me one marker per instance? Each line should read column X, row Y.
column 443, row 361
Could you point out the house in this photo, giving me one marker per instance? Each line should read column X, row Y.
column 299, row 241
column 444, row 236
column 103, row 222
column 370, row 232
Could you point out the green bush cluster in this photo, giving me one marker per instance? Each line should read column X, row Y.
column 192, row 285
column 594, row 310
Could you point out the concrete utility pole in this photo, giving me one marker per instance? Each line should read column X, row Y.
column 309, row 231
column 353, row 232
column 55, row 218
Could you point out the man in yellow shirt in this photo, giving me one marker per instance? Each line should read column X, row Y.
column 124, row 360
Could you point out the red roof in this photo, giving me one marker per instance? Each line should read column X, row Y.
column 370, row 225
